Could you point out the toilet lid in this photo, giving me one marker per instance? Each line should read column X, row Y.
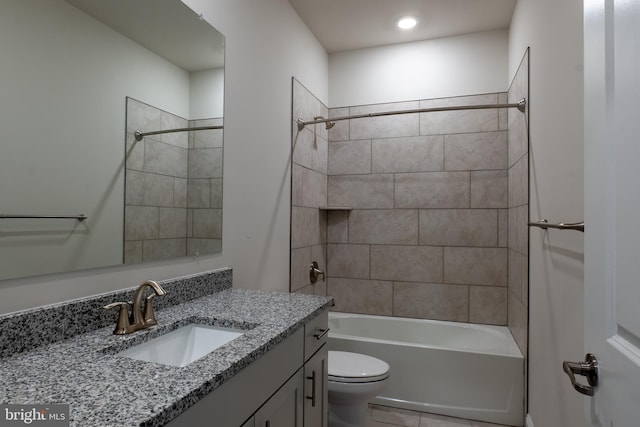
column 354, row 367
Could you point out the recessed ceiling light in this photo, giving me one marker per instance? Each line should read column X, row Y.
column 407, row 22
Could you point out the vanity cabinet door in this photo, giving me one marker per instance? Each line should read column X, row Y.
column 316, row 405
column 285, row 407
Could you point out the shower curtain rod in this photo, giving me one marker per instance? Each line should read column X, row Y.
column 520, row 105
column 139, row 134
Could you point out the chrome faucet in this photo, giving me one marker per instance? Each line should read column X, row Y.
column 138, row 318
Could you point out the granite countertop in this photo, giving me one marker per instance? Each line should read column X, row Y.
column 103, row 389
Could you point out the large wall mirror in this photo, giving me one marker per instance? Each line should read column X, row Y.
column 78, row 78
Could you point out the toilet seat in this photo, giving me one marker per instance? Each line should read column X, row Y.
column 350, row 367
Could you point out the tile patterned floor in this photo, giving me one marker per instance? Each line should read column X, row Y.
column 383, row 416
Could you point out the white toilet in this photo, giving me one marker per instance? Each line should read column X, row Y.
column 353, row 379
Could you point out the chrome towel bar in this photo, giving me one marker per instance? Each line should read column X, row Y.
column 544, row 224
column 79, row 217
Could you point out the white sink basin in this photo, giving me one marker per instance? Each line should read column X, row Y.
column 182, row 346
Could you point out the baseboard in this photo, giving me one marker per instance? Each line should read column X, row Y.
column 528, row 421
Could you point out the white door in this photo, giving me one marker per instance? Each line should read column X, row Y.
column 612, row 209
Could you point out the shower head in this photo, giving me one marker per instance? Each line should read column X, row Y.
column 327, row 124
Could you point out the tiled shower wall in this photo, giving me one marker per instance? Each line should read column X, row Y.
column 427, row 233
column 173, row 187
column 308, row 192
column 519, row 208
column 427, row 236
column 204, row 188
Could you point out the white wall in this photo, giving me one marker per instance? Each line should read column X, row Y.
column 266, row 44
column 453, row 66
column 553, row 30
column 206, row 94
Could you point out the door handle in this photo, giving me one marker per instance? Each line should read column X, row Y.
column 588, row 368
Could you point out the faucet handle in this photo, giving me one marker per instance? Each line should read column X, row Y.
column 123, row 324
column 149, row 316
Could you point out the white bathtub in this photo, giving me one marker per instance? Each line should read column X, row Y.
column 455, row 369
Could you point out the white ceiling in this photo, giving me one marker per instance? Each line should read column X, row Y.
column 353, row 24
column 167, row 27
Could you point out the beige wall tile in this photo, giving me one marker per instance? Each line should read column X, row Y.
column 518, row 128
column 199, row 193
column 503, row 113
column 314, row 188
column 132, row 251
column 385, row 126
column 300, row 261
column 518, row 322
column 205, row 163
column 476, row 151
column 190, row 222
column 518, row 140
column 516, row 266
column 459, row 227
column 308, row 227
column 348, row 261
column 406, row 263
column 445, row 122
column 134, row 187
column 488, row 305
column 134, row 153
column 489, row 189
column 319, row 254
column 361, row 191
column 165, row 159
column 361, row 296
column 349, row 157
column 216, row 193
column 432, row 190
column 338, row 227
column 518, row 229
column 384, row 226
column 310, row 150
column 297, row 172
column 307, row 106
column 154, row 250
column 414, row 154
column 149, row 189
column 320, row 288
column 476, row 266
column 206, row 138
column 141, row 222
column 173, row 223
column 431, row 301
column 518, row 183
column 141, row 116
column 207, row 223
column 503, row 227
column 340, row 132
column 171, row 121
column 180, row 192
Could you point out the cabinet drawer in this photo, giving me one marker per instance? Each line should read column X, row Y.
column 316, row 334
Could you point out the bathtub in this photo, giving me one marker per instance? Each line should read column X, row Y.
column 448, row 368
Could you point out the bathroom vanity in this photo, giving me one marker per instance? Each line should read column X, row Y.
column 286, row 387
column 274, row 374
